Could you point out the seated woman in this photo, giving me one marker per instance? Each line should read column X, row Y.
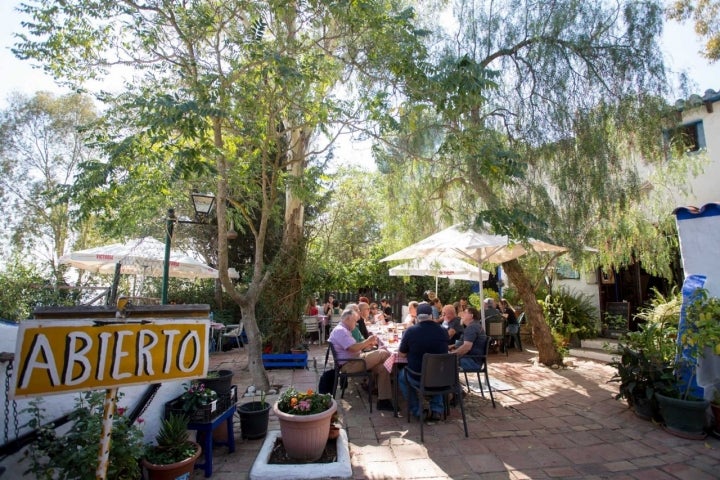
column 311, row 307
column 411, row 317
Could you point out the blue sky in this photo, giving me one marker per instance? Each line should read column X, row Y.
column 680, row 45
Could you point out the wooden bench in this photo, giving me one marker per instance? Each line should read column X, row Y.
column 285, row 360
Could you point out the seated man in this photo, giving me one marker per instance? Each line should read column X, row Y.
column 427, row 336
column 347, row 347
column 473, row 340
column 451, row 322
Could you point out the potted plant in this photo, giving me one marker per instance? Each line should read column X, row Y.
column 304, row 422
column 681, row 406
column 218, row 380
column 254, row 417
column 715, row 406
column 645, row 362
column 174, row 455
column 196, row 398
column 299, row 349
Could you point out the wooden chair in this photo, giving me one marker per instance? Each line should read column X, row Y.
column 439, row 376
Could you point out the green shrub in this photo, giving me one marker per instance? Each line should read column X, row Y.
column 569, row 313
column 74, row 455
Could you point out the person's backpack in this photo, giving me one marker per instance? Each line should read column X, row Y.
column 327, row 380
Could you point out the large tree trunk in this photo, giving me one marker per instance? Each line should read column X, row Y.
column 542, row 336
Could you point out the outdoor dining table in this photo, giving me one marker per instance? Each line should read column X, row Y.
column 390, row 341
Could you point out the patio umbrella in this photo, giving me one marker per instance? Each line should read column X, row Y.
column 439, row 267
column 139, row 256
column 480, row 247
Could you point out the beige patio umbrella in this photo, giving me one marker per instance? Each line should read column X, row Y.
column 439, row 267
column 480, row 247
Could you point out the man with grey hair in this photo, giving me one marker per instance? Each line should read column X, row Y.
column 348, row 348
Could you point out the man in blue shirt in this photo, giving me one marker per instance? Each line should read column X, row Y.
column 427, row 336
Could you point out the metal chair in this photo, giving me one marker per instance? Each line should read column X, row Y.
column 514, row 336
column 439, row 376
column 310, row 325
column 341, row 377
column 481, row 361
column 233, row 331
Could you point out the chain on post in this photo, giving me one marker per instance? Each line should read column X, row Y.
column 8, row 372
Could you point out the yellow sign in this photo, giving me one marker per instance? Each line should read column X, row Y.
column 60, row 356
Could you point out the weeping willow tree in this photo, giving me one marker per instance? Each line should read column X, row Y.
column 541, row 119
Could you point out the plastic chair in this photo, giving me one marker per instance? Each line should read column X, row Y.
column 233, row 331
column 310, row 324
column 481, row 361
column 439, row 376
column 341, row 377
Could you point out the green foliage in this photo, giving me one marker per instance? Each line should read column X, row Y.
column 570, row 313
column 705, row 14
column 646, row 356
column 42, row 144
column 173, row 442
column 74, row 454
column 24, row 288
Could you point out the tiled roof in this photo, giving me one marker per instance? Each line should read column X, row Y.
column 697, row 101
column 709, row 209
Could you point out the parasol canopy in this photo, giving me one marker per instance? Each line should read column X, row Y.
column 139, row 256
column 478, row 246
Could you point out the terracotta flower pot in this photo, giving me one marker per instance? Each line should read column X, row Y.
column 305, row 436
column 173, row 471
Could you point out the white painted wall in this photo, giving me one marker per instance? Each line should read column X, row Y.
column 705, row 186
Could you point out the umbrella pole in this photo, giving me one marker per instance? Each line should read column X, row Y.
column 482, row 300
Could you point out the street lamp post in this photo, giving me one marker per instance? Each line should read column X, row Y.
column 203, row 205
column 169, row 228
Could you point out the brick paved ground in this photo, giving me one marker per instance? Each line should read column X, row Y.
column 552, row 424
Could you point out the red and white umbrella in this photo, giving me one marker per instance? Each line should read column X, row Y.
column 139, row 256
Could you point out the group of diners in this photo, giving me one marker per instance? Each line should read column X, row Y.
column 430, row 327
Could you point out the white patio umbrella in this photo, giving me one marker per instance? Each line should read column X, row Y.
column 439, row 267
column 460, row 242
column 139, row 256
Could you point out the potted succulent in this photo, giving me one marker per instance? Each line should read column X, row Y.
column 304, row 422
column 254, row 418
column 174, row 455
column 682, row 408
